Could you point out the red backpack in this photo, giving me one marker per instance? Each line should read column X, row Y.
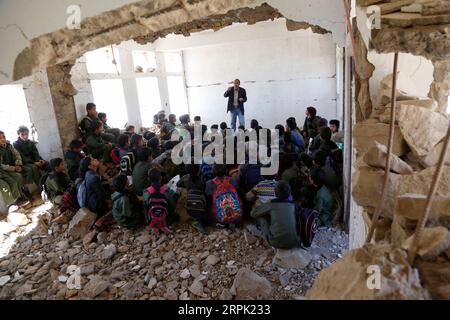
column 227, row 207
column 157, row 209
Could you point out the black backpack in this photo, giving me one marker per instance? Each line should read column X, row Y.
column 308, row 222
column 127, row 164
column 196, row 204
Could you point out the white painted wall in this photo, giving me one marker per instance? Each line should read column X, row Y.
column 282, row 75
column 418, row 69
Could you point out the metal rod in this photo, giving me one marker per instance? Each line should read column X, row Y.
column 389, row 153
column 431, row 195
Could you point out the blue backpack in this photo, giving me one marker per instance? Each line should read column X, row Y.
column 82, row 194
column 206, row 172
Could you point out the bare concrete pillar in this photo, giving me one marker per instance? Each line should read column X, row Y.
column 440, row 88
column 62, row 92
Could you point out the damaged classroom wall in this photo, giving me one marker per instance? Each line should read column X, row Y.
column 301, row 73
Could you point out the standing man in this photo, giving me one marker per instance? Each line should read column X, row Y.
column 237, row 96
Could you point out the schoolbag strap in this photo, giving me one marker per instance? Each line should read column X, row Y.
column 118, row 197
column 217, row 182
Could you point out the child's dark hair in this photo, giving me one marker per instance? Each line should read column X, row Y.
column 317, row 176
column 154, row 177
column 215, row 127
column 326, row 134
column 102, row 115
column 96, row 125
column 153, row 143
column 286, row 162
column 223, row 126
column 119, row 183
column 220, row 170
column 22, row 129
column 320, row 158
column 280, row 129
column 185, row 119
column 337, row 123
column 135, row 140
column 193, row 170
column 75, row 144
column 312, row 111
column 84, row 166
column 130, row 128
column 54, row 163
column 197, row 118
column 291, row 123
column 322, row 123
column 123, row 140
column 282, row 190
column 254, row 124
column 149, row 135
column 90, row 106
column 143, row 154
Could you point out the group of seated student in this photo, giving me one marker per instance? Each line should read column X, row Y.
column 309, row 176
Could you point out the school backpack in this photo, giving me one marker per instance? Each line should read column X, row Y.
column 115, row 156
column 308, row 220
column 82, row 194
column 196, row 204
column 227, row 207
column 69, row 201
column 157, row 211
column 206, row 172
column 127, row 164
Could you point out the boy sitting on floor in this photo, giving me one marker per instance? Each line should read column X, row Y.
column 73, row 158
column 323, row 202
column 140, row 171
column 11, row 180
column 263, row 192
column 125, row 209
column 31, row 159
column 97, row 146
column 159, row 206
column 278, row 219
column 57, row 182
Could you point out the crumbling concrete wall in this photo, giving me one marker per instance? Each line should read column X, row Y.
column 421, row 124
column 62, row 92
column 36, row 47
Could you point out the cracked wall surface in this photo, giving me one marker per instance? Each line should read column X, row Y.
column 421, row 120
column 62, row 93
column 145, row 20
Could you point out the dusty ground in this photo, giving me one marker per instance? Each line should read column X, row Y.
column 121, row 264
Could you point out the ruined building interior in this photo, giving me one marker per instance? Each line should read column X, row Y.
column 180, row 56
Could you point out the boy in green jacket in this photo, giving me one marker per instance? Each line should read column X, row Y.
column 11, row 181
column 323, row 202
column 97, row 146
column 31, row 159
column 126, row 209
column 57, row 182
column 278, row 220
